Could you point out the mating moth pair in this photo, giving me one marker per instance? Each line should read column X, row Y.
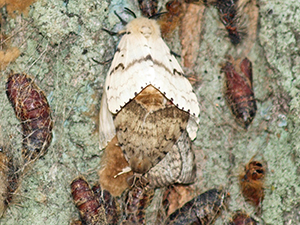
column 150, row 106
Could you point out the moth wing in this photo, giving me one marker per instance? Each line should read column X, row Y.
column 192, row 127
column 106, row 124
column 140, row 62
column 147, row 137
column 188, row 170
column 177, row 167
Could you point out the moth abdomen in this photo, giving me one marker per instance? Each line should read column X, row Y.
column 238, row 91
column 109, row 203
column 32, row 109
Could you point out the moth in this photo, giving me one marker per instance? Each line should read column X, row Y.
column 91, row 211
column 252, row 182
column 242, row 218
column 148, row 7
column 202, row 209
column 170, row 20
column 147, row 101
column 238, row 90
column 32, row 109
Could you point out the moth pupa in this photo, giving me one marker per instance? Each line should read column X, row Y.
column 240, row 20
column 3, row 182
column 136, row 199
column 252, row 182
column 147, row 102
column 91, row 211
column 202, row 209
column 148, row 7
column 242, row 218
column 111, row 207
column 32, row 109
column 9, row 177
column 238, row 91
column 230, row 17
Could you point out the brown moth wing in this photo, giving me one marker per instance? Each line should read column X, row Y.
column 147, row 136
column 177, row 167
column 238, row 91
column 32, row 109
column 202, row 209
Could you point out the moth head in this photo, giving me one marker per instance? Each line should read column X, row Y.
column 140, row 165
column 147, row 27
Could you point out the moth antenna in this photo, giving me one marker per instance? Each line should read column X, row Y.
column 112, row 33
column 102, row 63
column 124, row 170
column 130, row 12
column 175, row 54
column 157, row 15
column 124, row 23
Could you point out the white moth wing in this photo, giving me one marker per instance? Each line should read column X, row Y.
column 106, row 124
column 143, row 59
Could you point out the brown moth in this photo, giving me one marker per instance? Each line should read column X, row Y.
column 147, row 101
column 33, row 110
column 160, row 128
column 238, row 91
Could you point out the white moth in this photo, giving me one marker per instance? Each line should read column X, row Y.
column 142, row 58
